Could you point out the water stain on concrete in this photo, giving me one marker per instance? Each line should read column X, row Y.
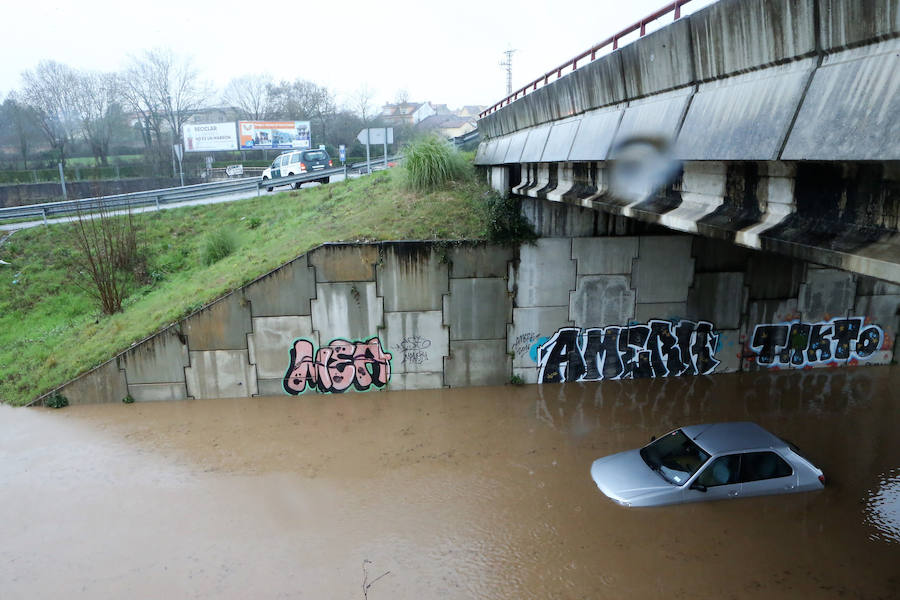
column 468, row 493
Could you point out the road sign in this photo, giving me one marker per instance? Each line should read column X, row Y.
column 376, row 135
column 178, row 152
column 342, row 150
column 232, row 170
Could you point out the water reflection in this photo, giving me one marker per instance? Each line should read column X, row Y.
column 883, row 507
column 671, row 402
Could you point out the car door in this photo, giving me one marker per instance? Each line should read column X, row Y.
column 719, row 479
column 294, row 168
column 276, row 167
column 766, row 473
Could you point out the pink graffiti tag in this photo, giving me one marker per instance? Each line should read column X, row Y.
column 337, row 366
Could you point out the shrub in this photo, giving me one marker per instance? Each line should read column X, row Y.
column 506, row 223
column 255, row 222
column 129, row 399
column 431, row 162
column 219, row 244
column 57, row 400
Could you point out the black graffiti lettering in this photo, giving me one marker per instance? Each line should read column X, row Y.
column 704, row 348
column 845, row 331
column 684, row 333
column 594, row 352
column 637, row 340
column 642, row 368
column 797, row 342
column 560, row 358
column 868, row 343
column 802, row 344
column 819, row 343
column 663, row 344
column 769, row 338
column 658, row 349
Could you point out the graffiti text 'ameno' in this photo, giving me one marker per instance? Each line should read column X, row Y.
column 657, row 349
column 337, row 366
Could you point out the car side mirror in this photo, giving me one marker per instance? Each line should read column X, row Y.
column 699, row 487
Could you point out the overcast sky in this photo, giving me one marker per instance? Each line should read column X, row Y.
column 445, row 52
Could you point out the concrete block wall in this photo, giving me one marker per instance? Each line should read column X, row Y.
column 418, row 315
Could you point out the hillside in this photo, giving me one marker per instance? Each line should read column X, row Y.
column 51, row 329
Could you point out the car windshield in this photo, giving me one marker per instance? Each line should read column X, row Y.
column 674, row 456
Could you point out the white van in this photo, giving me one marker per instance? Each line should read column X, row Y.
column 296, row 162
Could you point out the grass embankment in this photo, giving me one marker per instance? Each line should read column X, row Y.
column 51, row 330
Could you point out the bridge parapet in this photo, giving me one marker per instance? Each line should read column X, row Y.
column 785, row 115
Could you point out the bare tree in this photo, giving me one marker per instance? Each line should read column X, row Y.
column 18, row 125
column 49, row 91
column 402, row 96
column 108, row 254
column 139, row 92
column 363, row 103
column 165, row 91
column 250, row 94
column 96, row 97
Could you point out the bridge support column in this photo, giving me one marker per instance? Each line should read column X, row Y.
column 499, row 180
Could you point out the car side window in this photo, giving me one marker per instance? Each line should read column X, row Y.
column 763, row 465
column 721, row 471
column 295, row 158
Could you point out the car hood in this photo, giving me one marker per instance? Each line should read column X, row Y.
column 625, row 476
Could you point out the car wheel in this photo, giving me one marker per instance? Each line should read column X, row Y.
column 268, row 189
column 324, row 180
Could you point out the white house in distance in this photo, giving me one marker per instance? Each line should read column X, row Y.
column 406, row 113
column 426, row 116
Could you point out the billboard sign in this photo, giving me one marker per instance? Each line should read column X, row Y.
column 274, row 135
column 209, row 137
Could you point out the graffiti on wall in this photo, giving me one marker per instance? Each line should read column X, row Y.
column 657, row 349
column 813, row 344
column 335, row 367
column 414, row 349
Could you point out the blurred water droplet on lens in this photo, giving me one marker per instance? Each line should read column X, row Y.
column 640, row 166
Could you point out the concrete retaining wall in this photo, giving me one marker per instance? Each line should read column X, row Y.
column 572, row 306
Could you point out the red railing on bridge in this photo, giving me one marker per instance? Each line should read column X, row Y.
column 592, row 52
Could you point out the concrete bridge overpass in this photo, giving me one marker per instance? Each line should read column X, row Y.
column 783, row 115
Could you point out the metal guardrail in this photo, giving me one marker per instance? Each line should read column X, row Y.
column 592, row 52
column 165, row 196
column 461, row 140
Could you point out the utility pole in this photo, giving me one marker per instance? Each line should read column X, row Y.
column 507, row 64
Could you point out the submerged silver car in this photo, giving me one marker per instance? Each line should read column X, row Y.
column 706, row 462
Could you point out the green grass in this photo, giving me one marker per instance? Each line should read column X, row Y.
column 432, row 162
column 51, row 330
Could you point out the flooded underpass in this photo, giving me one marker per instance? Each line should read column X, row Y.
column 464, row 493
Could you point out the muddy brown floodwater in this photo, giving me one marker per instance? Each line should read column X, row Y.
column 468, row 493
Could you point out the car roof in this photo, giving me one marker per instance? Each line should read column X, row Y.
column 717, row 438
